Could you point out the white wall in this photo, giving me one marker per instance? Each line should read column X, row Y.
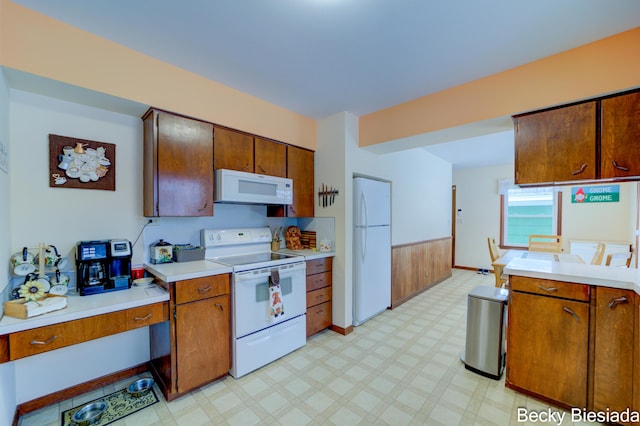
column 7, row 371
column 420, row 194
column 63, row 216
column 477, row 195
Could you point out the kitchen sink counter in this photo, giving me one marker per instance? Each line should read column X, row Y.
column 622, row 278
column 309, row 254
column 177, row 271
column 87, row 306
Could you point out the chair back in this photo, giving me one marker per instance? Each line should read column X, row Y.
column 599, row 254
column 493, row 249
column 619, row 259
column 546, row 243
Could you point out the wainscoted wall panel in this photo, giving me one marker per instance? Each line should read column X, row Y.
column 415, row 267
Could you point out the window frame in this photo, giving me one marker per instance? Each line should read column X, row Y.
column 558, row 211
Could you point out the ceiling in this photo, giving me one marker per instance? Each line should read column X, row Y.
column 321, row 57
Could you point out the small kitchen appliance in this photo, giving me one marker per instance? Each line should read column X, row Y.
column 269, row 296
column 103, row 265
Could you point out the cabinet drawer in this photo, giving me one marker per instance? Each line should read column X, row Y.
column 201, row 288
column 319, row 265
column 4, row 348
column 143, row 316
column 317, row 281
column 550, row 288
column 318, row 318
column 318, row 296
column 43, row 339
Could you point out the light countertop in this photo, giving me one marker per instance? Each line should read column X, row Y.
column 87, row 306
column 309, row 254
column 623, row 278
column 177, row 271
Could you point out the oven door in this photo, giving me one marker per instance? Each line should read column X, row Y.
column 252, row 304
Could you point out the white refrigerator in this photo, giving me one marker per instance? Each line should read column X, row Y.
column 371, row 248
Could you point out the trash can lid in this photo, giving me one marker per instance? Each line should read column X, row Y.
column 494, row 294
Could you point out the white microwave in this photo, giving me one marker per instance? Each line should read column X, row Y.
column 233, row 186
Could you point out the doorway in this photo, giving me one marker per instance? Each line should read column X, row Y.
column 454, row 216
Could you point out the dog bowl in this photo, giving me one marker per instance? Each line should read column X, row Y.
column 90, row 413
column 140, row 387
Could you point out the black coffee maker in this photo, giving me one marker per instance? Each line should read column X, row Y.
column 103, row 265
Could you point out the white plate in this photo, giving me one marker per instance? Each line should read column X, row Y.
column 59, row 290
column 143, row 282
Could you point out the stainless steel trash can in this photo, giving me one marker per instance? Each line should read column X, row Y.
column 486, row 319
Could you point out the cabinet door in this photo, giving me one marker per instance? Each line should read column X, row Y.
column 203, row 342
column 185, row 166
column 232, row 150
column 620, row 144
column 547, row 347
column 300, row 169
column 556, row 145
column 613, row 366
column 270, row 158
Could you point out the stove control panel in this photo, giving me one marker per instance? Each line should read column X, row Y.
column 224, row 237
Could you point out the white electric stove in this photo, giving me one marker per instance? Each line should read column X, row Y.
column 268, row 322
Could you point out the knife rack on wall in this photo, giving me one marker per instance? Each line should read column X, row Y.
column 327, row 195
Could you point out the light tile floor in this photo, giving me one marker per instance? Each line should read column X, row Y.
column 400, row 368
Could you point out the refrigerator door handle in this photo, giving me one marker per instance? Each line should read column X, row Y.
column 363, row 249
column 363, row 210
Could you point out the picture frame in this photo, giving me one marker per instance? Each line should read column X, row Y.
column 81, row 163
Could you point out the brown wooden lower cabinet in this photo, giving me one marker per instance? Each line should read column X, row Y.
column 319, row 293
column 574, row 345
column 613, row 357
column 194, row 347
column 418, row 266
column 547, row 347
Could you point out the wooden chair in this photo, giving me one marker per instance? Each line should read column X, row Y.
column 623, row 259
column 494, row 253
column 546, row 243
column 599, row 254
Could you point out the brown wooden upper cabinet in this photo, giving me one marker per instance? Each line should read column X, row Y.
column 620, row 145
column 595, row 139
column 300, row 168
column 556, row 145
column 240, row 151
column 178, row 165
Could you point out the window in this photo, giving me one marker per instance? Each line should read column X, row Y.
column 526, row 211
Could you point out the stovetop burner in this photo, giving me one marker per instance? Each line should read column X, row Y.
column 247, row 259
column 243, row 248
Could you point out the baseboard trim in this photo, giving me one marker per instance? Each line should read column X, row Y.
column 341, row 330
column 79, row 389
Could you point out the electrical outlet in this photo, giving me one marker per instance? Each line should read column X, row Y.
column 153, row 221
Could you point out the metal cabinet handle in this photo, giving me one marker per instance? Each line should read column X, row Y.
column 144, row 318
column 618, row 301
column 580, row 170
column 549, row 289
column 246, row 167
column 564, row 308
column 46, row 342
column 204, row 290
column 261, row 168
column 320, row 296
column 219, row 306
column 204, row 207
column 618, row 166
